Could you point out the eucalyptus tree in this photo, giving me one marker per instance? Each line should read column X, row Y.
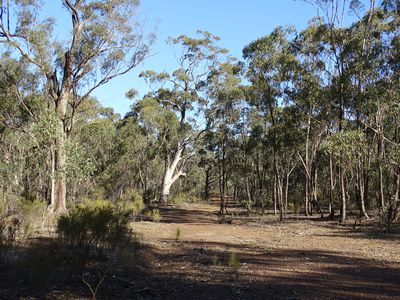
column 270, row 69
column 134, row 162
column 337, row 49
column 309, row 94
column 349, row 146
column 90, row 149
column 257, row 148
column 392, row 91
column 207, row 161
column 104, row 42
column 289, row 136
column 162, row 130
column 25, row 133
column 225, row 94
column 179, row 96
column 369, row 75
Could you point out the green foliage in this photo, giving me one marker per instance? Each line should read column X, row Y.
column 9, row 228
column 100, row 234
column 96, row 204
column 180, row 198
column 215, row 260
column 154, row 214
column 388, row 216
column 45, row 129
column 97, row 192
column 79, row 164
column 194, row 180
column 178, row 234
column 132, row 201
column 349, row 145
column 294, row 207
column 94, row 227
column 1, row 201
column 32, row 215
column 234, row 264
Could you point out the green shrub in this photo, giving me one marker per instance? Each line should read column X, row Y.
column 182, row 198
column 388, row 215
column 95, row 234
column 33, row 214
column 154, row 214
column 9, row 228
column 94, row 227
column 215, row 260
column 132, row 201
column 234, row 263
column 1, row 205
column 94, row 204
column 98, row 192
column 178, row 234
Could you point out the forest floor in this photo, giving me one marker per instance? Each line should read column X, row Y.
column 300, row 258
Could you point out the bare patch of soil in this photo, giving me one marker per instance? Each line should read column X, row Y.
column 297, row 259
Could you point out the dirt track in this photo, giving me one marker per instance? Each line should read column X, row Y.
column 298, row 259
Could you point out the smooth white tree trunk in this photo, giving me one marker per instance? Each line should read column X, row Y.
column 171, row 175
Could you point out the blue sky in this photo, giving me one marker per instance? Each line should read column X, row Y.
column 237, row 22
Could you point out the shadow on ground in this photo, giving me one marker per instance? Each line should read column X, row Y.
column 201, row 270
column 192, row 272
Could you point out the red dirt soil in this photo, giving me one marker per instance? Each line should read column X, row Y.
column 298, row 259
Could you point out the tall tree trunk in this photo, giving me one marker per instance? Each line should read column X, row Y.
column 307, row 163
column 171, row 175
column 248, row 192
column 331, row 189
column 313, row 196
column 287, row 189
column 207, row 184
column 222, row 181
column 287, row 186
column 260, row 200
column 381, row 154
column 60, row 192
column 275, row 195
column 52, row 178
column 280, row 197
column 361, row 192
column 59, row 204
column 396, row 197
column 342, row 195
column 381, row 191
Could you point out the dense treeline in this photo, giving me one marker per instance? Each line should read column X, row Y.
column 306, row 121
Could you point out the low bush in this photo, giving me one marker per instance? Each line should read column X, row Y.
column 94, row 204
column 98, row 226
column 178, row 234
column 33, row 214
column 154, row 214
column 234, row 263
column 388, row 215
column 132, row 201
column 9, row 228
column 96, row 235
column 181, row 198
column 215, row 260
